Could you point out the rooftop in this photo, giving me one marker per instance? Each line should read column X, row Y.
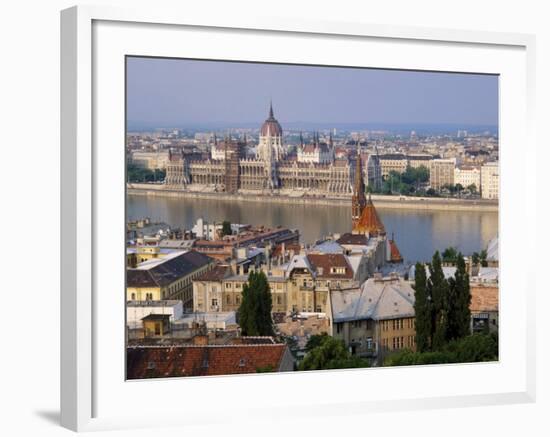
column 376, row 299
column 164, row 271
column 190, row 360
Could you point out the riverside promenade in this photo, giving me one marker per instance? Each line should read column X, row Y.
column 302, row 198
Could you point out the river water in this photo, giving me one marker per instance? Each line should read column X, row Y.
column 418, row 233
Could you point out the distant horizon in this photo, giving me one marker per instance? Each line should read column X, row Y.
column 189, row 93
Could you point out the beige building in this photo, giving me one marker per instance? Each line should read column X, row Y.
column 467, row 176
column 150, row 160
column 170, row 277
column 301, row 285
column 376, row 318
column 392, row 162
column 490, row 181
column 442, row 172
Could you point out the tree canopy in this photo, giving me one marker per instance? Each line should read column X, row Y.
column 254, row 315
column 327, row 352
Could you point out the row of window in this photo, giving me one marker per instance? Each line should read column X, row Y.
column 401, row 342
column 397, row 324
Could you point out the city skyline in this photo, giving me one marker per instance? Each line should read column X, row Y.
column 238, row 93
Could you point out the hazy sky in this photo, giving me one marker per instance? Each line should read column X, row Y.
column 176, row 92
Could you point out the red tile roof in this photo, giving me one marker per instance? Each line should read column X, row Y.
column 328, row 260
column 176, row 361
column 484, row 298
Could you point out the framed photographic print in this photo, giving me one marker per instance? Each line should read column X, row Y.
column 288, row 207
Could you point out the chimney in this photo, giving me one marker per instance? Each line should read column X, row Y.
column 200, row 340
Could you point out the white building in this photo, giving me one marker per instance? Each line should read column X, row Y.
column 150, row 160
column 138, row 309
column 315, row 153
column 206, row 231
column 468, row 175
column 490, row 181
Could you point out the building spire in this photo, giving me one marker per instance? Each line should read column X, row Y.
column 271, row 116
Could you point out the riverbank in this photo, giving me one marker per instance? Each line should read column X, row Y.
column 382, row 202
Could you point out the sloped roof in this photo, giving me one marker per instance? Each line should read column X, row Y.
column 323, row 263
column 492, row 250
column 484, row 298
column 216, row 274
column 176, row 361
column 369, row 221
column 353, row 239
column 166, row 270
column 376, row 299
column 395, row 255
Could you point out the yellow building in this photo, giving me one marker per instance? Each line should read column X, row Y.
column 170, row 277
column 301, row 285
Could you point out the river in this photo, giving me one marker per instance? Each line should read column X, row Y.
column 418, row 233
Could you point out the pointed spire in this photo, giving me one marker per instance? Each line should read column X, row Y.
column 215, row 139
column 301, row 139
column 271, row 109
column 330, row 142
column 244, row 139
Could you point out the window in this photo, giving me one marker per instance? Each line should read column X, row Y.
column 237, row 300
column 338, row 328
column 214, row 302
column 133, row 296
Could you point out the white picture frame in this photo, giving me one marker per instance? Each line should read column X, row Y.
column 92, row 394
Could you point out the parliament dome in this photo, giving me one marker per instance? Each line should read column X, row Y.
column 271, row 126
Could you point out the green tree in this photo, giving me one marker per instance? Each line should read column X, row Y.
column 422, row 309
column 475, row 258
column 472, row 188
column 483, row 258
column 255, row 309
column 438, row 289
column 450, row 255
column 459, row 302
column 470, row 349
column 226, row 228
column 330, row 353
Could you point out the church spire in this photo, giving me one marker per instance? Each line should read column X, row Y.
column 358, row 200
column 271, row 116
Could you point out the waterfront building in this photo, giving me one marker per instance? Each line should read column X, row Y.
column 442, row 173
column 416, row 160
column 314, row 169
column 151, row 160
column 392, row 162
column 167, row 278
column 375, row 318
column 467, row 176
column 490, row 180
column 316, row 152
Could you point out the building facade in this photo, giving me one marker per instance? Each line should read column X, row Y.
column 468, row 176
column 490, row 181
column 442, row 172
column 167, row 278
column 228, row 168
column 376, row 318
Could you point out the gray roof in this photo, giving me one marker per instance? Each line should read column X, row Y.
column 376, row 299
column 492, row 249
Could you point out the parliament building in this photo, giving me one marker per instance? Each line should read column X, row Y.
column 313, row 168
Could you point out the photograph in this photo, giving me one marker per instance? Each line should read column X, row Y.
column 293, row 217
